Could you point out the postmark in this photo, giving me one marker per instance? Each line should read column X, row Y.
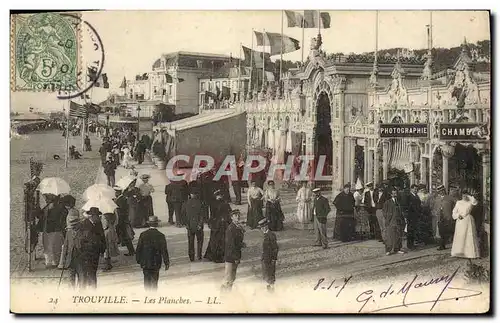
column 45, row 52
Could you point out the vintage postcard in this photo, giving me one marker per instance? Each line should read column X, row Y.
column 313, row 161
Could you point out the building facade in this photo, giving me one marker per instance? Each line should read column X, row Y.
column 351, row 112
column 174, row 80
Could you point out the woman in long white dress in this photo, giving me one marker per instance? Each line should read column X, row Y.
column 465, row 244
column 304, row 208
column 127, row 157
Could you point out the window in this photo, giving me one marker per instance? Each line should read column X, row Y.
column 202, row 98
column 202, row 86
column 210, row 86
column 217, row 84
column 170, row 89
column 224, row 83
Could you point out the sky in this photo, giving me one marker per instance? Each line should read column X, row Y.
column 133, row 40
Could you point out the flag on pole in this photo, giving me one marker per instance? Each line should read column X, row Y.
column 272, row 43
column 76, row 110
column 99, row 80
column 276, row 40
column 311, row 19
column 294, row 18
column 170, row 79
column 254, row 58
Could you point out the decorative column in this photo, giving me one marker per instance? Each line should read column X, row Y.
column 423, row 167
column 370, row 166
column 340, row 162
column 352, row 154
column 376, row 165
column 447, row 151
column 366, row 157
column 485, row 161
column 385, row 157
column 412, row 158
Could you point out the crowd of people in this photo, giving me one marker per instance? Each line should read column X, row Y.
column 387, row 213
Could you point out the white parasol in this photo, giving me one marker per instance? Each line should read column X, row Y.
column 125, row 181
column 98, row 191
column 103, row 204
column 53, row 185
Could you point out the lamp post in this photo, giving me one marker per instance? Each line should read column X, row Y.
column 107, row 123
column 138, row 120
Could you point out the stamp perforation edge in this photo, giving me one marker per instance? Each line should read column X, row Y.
column 79, row 52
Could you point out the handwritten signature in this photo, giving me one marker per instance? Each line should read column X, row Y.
column 369, row 298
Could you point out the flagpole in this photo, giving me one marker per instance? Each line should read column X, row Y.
column 303, row 20
column 319, row 22
column 281, row 51
column 67, row 137
column 239, row 74
column 263, row 57
column 251, row 66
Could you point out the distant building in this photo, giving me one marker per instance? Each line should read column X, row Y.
column 174, row 80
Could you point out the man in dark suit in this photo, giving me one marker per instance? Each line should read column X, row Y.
column 380, row 195
column 446, row 224
column 321, row 208
column 90, row 245
column 176, row 194
column 232, row 250
column 414, row 206
column 395, row 223
column 195, row 214
column 151, row 253
column 270, row 250
column 371, row 207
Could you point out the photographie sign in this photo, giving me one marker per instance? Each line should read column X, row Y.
column 404, row 130
column 463, row 131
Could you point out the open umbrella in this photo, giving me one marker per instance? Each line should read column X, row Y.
column 98, row 191
column 53, row 185
column 125, row 181
column 104, row 205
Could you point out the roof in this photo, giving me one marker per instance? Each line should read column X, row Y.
column 189, row 59
column 28, row 116
column 200, row 120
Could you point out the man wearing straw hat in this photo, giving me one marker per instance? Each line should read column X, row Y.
column 321, row 208
column 151, row 253
column 270, row 250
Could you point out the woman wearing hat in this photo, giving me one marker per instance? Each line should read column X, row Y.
column 254, row 215
column 108, row 221
column 465, row 244
column 52, row 223
column 90, row 245
column 218, row 223
column 72, row 221
column 146, row 189
column 274, row 214
column 304, row 207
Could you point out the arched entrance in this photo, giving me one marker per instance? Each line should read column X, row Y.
column 396, row 175
column 465, row 168
column 323, row 145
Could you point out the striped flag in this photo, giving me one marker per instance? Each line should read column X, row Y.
column 311, row 19
column 272, row 43
column 257, row 58
column 294, row 18
column 77, row 111
column 275, row 40
column 100, row 80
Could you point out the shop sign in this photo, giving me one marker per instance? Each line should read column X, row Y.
column 404, row 130
column 464, row 131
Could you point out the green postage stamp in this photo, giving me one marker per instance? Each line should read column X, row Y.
column 45, row 51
